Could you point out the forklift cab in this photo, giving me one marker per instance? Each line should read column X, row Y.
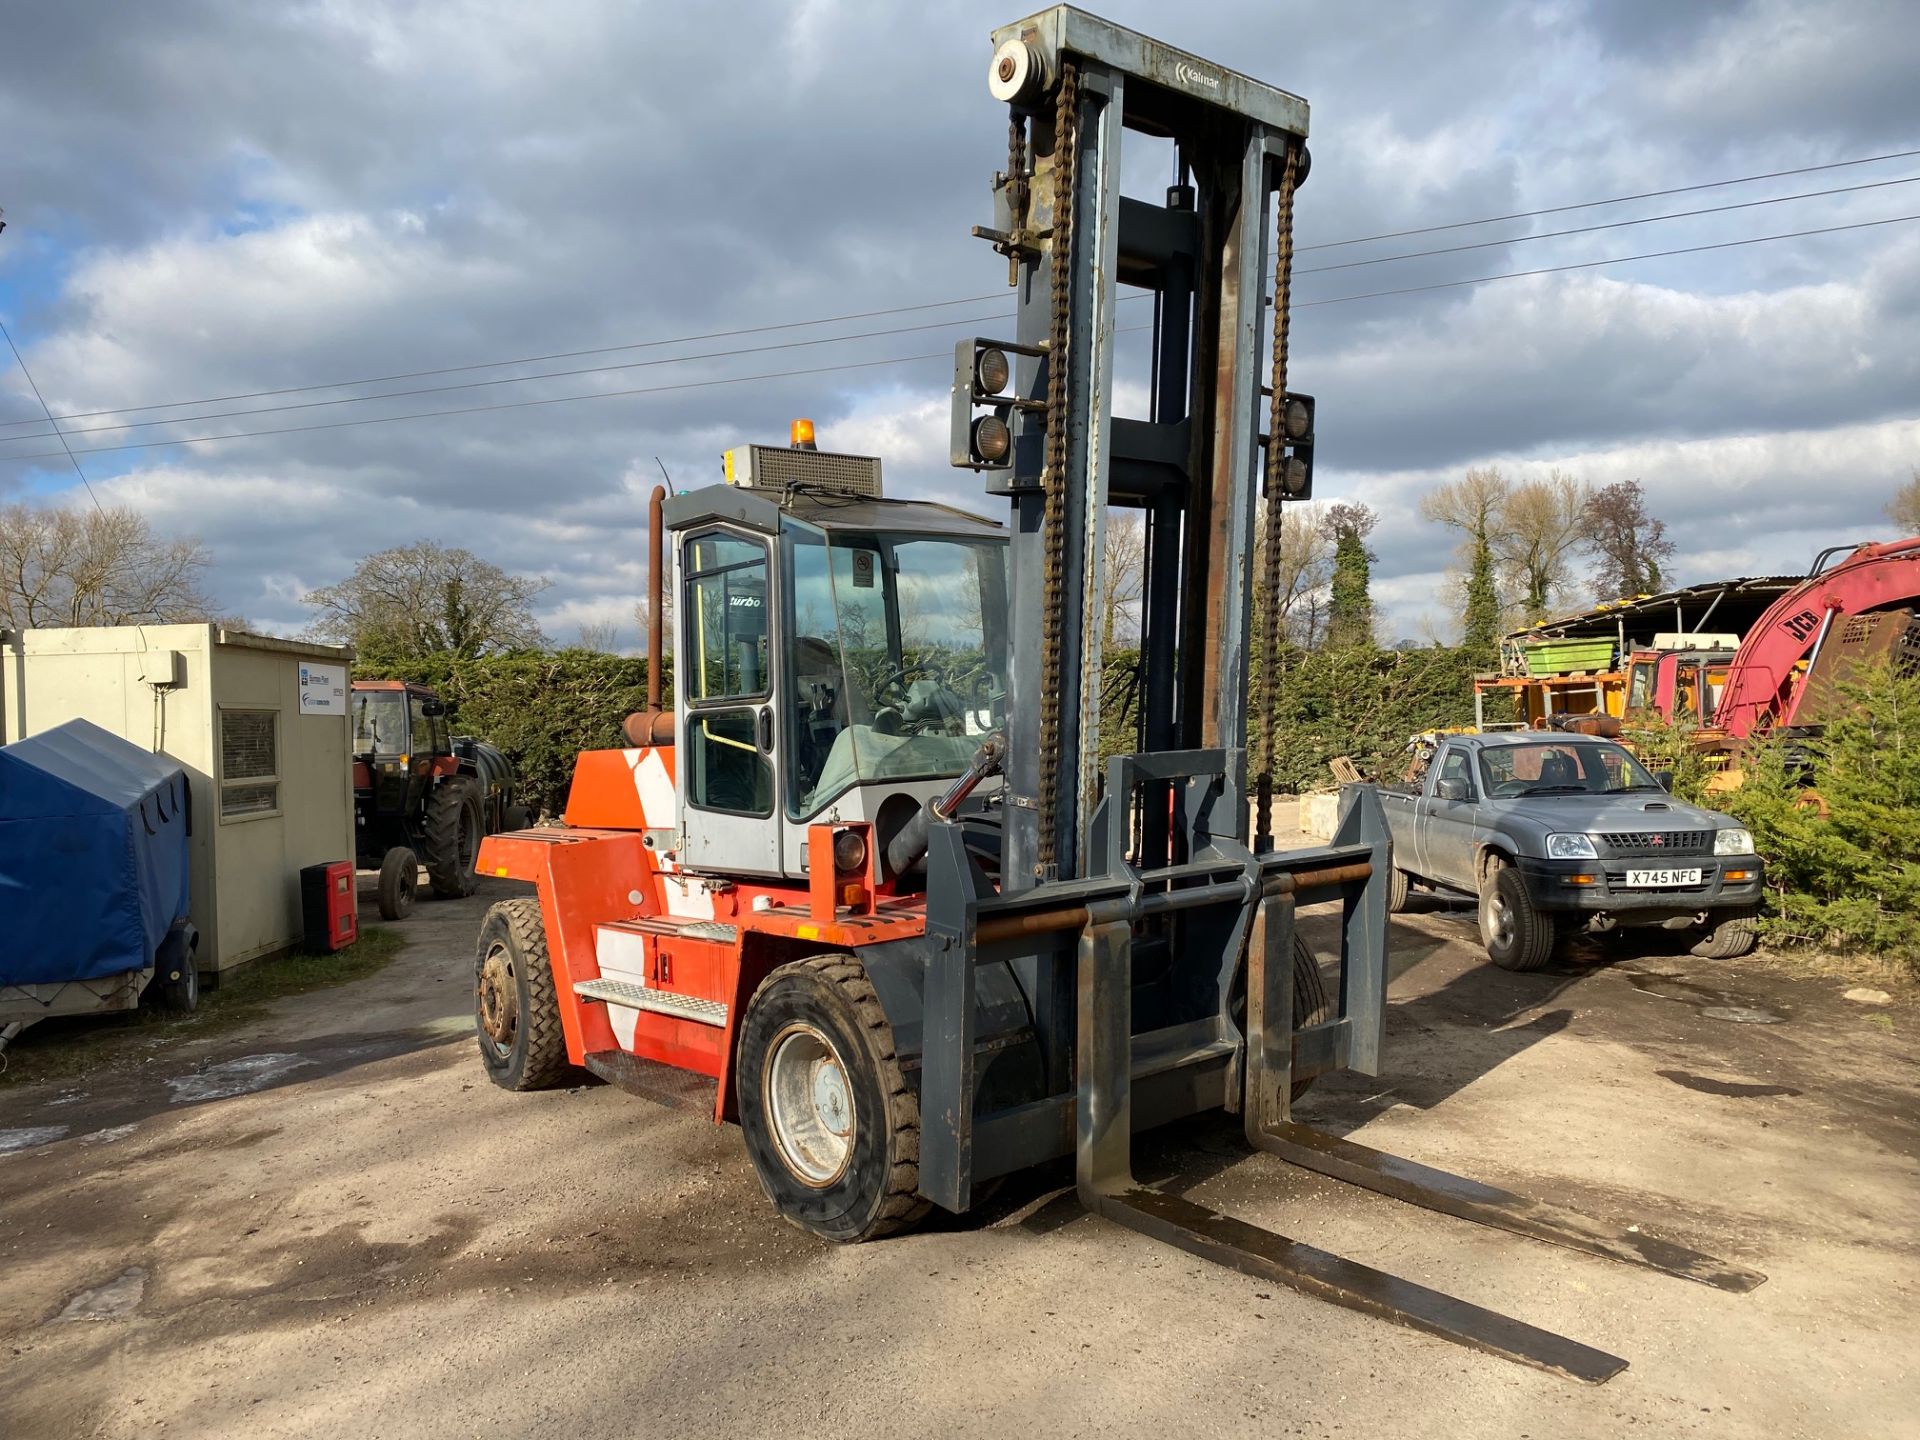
column 841, row 657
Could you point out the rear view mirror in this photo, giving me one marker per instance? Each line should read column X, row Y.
column 1664, row 779
column 1452, row 790
column 433, row 709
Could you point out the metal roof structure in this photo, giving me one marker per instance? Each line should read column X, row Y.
column 1730, row 605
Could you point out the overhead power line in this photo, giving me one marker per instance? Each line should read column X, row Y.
column 524, row 379
column 925, row 305
column 1616, row 260
column 1613, row 200
column 936, row 355
column 1610, row 225
column 67, row 449
column 522, row 359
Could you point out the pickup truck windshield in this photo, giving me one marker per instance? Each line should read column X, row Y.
column 1552, row 768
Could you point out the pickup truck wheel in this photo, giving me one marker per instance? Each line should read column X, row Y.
column 1517, row 935
column 1398, row 887
column 1729, row 940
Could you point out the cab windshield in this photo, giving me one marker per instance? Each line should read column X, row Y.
column 379, row 722
column 895, row 654
column 1549, row 768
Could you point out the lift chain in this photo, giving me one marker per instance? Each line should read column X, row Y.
column 1018, row 192
column 1054, row 477
column 1267, row 700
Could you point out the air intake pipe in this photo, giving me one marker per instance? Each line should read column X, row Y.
column 654, row 725
column 906, row 848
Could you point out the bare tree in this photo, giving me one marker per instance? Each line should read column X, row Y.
column 1630, row 548
column 1475, row 505
column 603, row 635
column 423, row 599
column 62, row 567
column 642, row 614
column 1123, row 556
column 1541, row 523
column 1306, row 570
column 1904, row 508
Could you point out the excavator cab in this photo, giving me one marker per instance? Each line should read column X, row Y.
column 844, row 658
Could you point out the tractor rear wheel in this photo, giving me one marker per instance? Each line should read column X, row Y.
column 830, row 1125
column 452, row 830
column 516, row 1013
column 399, row 883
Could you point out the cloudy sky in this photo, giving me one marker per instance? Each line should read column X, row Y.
column 213, row 198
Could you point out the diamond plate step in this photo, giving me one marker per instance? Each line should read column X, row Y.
column 650, row 1080
column 660, row 1002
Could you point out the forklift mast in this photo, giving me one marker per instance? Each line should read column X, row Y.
column 1209, row 483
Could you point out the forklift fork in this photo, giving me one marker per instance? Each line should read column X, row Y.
column 1271, row 1127
column 1106, row 1184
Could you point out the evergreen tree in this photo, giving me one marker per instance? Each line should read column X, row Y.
column 1481, row 629
column 1350, row 606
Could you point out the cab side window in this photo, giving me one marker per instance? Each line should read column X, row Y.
column 725, row 608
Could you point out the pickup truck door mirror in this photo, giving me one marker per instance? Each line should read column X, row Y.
column 1664, row 779
column 1452, row 789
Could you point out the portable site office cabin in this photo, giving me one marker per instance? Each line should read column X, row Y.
column 259, row 725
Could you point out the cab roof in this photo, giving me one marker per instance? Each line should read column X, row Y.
column 763, row 510
column 1497, row 738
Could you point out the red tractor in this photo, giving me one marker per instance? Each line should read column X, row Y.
column 422, row 796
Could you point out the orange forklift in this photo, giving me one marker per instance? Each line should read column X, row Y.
column 872, row 887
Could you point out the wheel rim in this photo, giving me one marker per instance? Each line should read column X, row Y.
column 810, row 1105
column 1499, row 920
column 498, row 1002
column 409, row 882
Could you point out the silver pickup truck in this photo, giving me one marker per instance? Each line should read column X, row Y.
column 1554, row 833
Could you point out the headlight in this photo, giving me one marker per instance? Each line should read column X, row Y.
column 1733, row 842
column 1571, row 847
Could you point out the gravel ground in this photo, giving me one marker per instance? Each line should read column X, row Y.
column 329, row 1224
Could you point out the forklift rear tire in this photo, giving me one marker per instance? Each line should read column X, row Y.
column 1518, row 936
column 830, row 1125
column 454, row 824
column 399, row 883
column 516, row 1013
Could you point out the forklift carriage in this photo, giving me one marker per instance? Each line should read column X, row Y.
column 870, row 889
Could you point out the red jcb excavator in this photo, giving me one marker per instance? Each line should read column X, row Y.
column 868, row 889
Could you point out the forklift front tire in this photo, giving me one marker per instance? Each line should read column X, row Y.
column 399, row 883
column 830, row 1125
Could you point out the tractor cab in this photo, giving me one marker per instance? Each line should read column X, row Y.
column 842, row 656
column 398, row 731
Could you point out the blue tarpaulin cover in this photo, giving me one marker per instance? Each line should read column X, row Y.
column 93, row 854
